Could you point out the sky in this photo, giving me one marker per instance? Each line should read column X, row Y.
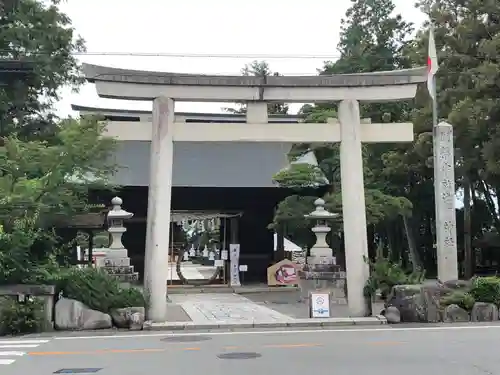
column 249, row 29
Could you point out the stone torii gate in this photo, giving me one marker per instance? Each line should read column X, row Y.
column 164, row 89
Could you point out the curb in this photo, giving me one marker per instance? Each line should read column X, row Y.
column 295, row 323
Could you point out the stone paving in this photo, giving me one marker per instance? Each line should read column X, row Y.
column 176, row 313
column 290, row 304
column 227, row 308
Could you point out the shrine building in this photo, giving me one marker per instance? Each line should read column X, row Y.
column 229, row 180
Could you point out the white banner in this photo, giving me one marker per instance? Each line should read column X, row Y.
column 234, row 256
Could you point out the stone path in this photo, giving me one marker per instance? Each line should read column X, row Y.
column 291, row 304
column 226, row 308
column 191, row 271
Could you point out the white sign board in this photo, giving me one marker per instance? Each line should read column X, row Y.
column 320, row 305
column 219, row 263
column 224, row 255
column 234, row 257
column 243, row 268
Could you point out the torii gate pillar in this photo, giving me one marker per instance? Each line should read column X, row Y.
column 353, row 205
column 159, row 203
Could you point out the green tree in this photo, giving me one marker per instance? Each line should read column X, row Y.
column 260, row 69
column 38, row 32
column 372, row 39
column 467, row 38
column 47, row 165
column 42, row 184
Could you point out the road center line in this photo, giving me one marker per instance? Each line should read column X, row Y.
column 285, row 346
column 172, row 348
column 97, row 352
column 157, row 350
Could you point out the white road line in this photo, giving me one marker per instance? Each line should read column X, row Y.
column 284, row 332
column 22, row 342
column 14, row 354
column 18, row 346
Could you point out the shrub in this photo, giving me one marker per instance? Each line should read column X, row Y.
column 128, row 297
column 486, row 289
column 384, row 274
column 16, row 317
column 463, row 299
column 98, row 290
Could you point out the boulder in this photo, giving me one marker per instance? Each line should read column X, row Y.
column 458, row 284
column 484, row 312
column 418, row 303
column 404, row 298
column 128, row 316
column 430, row 299
column 136, row 321
column 392, row 315
column 454, row 313
column 74, row 315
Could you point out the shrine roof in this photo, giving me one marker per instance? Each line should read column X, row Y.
column 134, row 114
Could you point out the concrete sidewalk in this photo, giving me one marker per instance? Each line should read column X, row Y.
column 232, row 311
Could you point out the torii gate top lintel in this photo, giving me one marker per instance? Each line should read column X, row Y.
column 127, row 84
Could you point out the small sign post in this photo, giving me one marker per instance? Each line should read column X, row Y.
column 319, row 305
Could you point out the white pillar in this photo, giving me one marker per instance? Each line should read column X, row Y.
column 153, row 162
column 160, row 193
column 353, row 205
column 444, row 187
column 257, row 113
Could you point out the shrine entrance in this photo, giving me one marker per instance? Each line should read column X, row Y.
column 199, row 248
column 165, row 89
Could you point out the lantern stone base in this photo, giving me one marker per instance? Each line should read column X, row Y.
column 117, row 262
column 121, row 269
column 326, row 277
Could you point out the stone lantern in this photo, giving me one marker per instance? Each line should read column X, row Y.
column 321, row 252
column 116, row 216
column 321, row 271
column 117, row 262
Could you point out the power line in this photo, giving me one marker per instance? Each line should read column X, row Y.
column 212, row 56
column 195, row 55
column 233, row 73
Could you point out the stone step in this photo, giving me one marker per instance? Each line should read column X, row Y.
column 117, row 262
column 115, row 253
column 127, row 278
column 119, row 270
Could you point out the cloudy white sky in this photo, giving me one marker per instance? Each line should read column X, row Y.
column 215, row 27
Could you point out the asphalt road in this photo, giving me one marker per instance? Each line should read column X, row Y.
column 456, row 350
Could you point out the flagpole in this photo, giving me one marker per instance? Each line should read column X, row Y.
column 434, row 106
column 444, row 179
column 432, row 48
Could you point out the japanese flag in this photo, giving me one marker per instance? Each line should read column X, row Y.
column 432, row 65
